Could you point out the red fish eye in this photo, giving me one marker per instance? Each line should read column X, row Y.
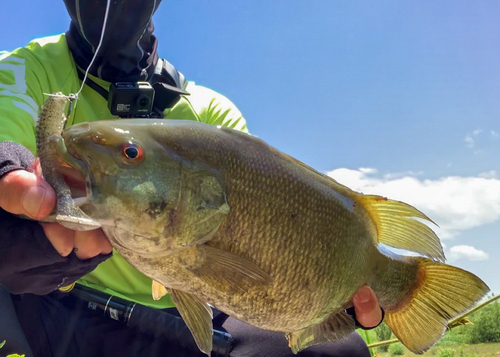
column 132, row 153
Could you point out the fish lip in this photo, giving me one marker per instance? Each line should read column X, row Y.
column 73, row 160
column 70, row 161
column 82, row 168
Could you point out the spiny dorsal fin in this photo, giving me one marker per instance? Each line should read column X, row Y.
column 396, row 226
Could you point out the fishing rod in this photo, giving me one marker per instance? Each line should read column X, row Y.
column 150, row 321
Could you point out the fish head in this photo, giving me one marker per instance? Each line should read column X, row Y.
column 153, row 200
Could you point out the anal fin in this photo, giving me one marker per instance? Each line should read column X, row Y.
column 335, row 327
column 198, row 317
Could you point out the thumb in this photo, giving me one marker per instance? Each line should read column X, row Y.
column 23, row 192
column 368, row 312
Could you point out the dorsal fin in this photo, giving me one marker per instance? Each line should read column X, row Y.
column 394, row 221
column 396, row 226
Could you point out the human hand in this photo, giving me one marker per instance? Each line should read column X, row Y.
column 24, row 192
column 366, row 307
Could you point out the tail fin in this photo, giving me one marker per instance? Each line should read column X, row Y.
column 440, row 293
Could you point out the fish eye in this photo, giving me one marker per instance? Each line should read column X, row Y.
column 132, row 153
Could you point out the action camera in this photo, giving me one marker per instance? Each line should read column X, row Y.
column 131, row 99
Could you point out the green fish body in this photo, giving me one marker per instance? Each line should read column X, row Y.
column 217, row 216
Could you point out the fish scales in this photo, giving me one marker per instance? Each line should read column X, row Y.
column 220, row 217
column 301, row 213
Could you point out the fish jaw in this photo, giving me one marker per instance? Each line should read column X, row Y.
column 160, row 204
column 67, row 158
column 77, row 150
column 74, row 171
column 74, row 179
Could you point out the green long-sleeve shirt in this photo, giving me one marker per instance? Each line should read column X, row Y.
column 45, row 66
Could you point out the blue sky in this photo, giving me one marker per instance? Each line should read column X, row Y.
column 396, row 98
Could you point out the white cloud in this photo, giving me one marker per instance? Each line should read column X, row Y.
column 466, row 252
column 488, row 174
column 455, row 203
column 368, row 170
column 395, row 175
column 471, row 138
column 469, row 141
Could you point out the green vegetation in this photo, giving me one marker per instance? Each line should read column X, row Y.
column 396, row 349
column 478, row 350
column 383, row 333
column 486, row 326
column 447, row 352
column 478, row 338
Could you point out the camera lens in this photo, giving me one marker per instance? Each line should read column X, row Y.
column 143, row 101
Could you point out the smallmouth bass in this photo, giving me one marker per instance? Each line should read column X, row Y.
column 217, row 216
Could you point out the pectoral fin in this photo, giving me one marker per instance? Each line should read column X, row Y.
column 158, row 290
column 228, row 271
column 335, row 327
column 198, row 317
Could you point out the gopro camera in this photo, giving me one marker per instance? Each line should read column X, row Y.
column 131, row 99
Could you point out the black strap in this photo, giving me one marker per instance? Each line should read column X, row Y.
column 103, row 92
column 168, row 83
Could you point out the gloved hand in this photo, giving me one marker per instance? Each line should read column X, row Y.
column 38, row 257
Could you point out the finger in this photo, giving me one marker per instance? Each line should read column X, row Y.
column 36, row 168
column 89, row 244
column 61, row 238
column 23, row 192
column 368, row 312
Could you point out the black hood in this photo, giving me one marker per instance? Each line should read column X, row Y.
column 128, row 51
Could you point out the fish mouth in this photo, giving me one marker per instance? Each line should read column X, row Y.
column 75, row 180
column 73, row 171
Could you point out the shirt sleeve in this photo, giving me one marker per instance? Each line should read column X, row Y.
column 21, row 96
column 214, row 108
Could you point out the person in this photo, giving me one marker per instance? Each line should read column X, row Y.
column 37, row 259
